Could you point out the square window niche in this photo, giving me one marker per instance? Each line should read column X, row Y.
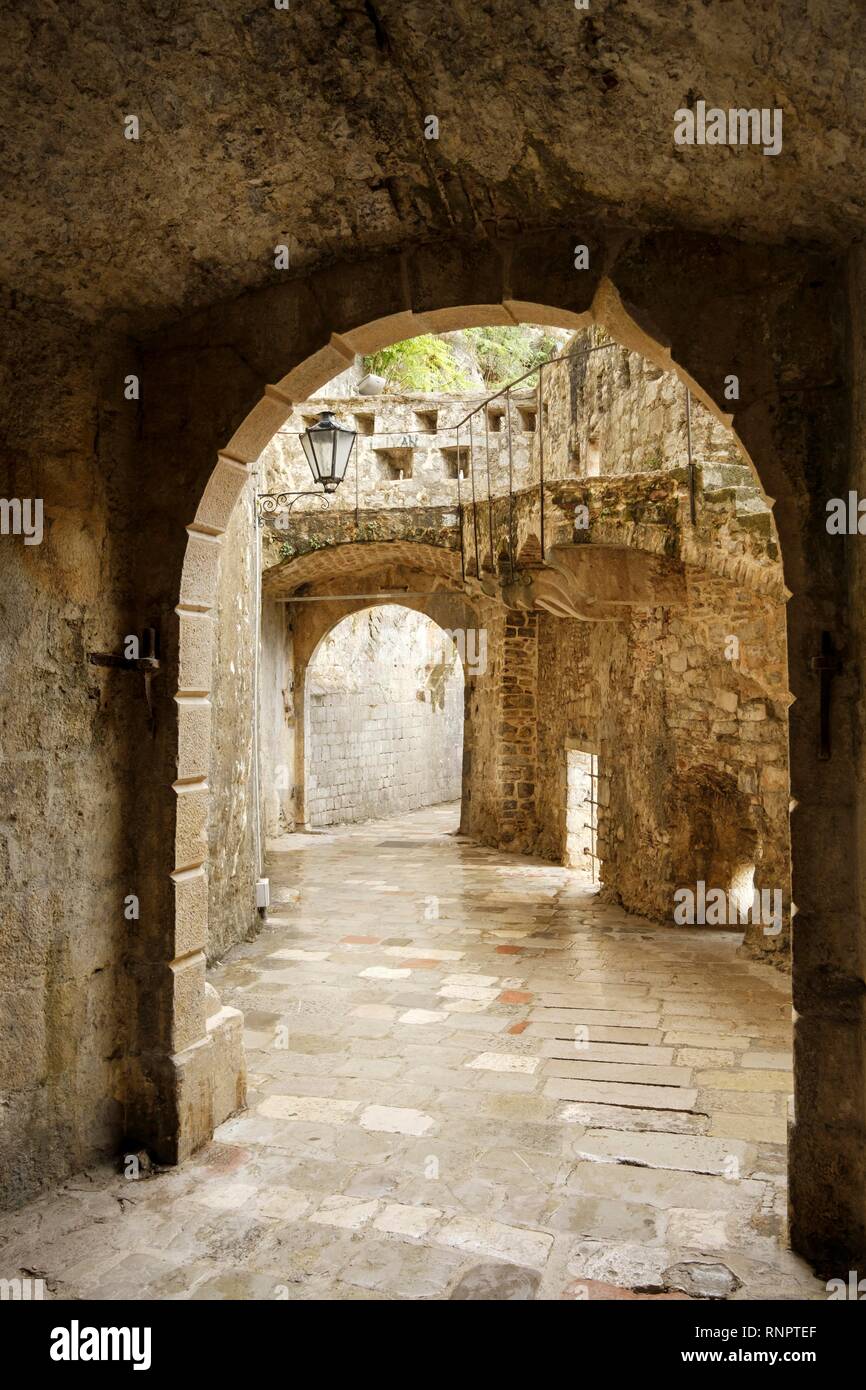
column 394, row 465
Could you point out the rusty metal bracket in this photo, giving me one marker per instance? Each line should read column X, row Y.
column 147, row 664
column 123, row 663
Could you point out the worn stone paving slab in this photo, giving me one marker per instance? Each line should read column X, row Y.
column 533, row 1096
column 628, row 1118
column 493, row 1238
column 652, row 1150
column 608, row 1018
column 592, row 1051
column 596, row 1033
column 583, row 1070
column 622, row 1093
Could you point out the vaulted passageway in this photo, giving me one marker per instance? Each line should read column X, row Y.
column 622, row 584
column 178, row 1060
column 232, row 233
column 468, row 1078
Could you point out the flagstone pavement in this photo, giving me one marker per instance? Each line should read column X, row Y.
column 468, row 1079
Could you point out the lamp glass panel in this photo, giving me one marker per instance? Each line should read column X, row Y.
column 310, row 456
column 342, row 451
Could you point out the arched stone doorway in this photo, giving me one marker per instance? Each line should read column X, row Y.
column 679, row 330
column 383, row 718
column 424, row 578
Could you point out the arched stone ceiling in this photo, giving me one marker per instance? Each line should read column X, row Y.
column 305, row 126
column 354, row 560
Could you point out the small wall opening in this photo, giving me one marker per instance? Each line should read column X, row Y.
column 528, row 416
column 581, row 811
column 428, row 420
column 395, row 465
column 366, row 424
column 714, row 840
column 456, row 461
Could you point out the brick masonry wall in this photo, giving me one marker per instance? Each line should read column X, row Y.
column 518, row 746
column 384, row 718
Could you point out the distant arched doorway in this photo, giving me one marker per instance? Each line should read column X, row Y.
column 383, row 718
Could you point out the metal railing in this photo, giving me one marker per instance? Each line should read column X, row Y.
column 477, row 493
column 505, row 393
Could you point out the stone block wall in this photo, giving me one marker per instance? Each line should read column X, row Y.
column 277, row 720
column 610, row 411
column 482, row 768
column 518, row 729
column 231, row 828
column 415, row 435
column 75, row 742
column 384, row 718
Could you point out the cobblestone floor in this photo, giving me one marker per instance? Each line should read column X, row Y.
column 468, row 1079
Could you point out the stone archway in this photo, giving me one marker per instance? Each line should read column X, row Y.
column 383, row 716
column 424, row 577
column 665, row 299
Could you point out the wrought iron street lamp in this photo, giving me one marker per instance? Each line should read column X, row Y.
column 327, row 447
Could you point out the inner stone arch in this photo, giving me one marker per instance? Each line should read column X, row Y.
column 383, row 718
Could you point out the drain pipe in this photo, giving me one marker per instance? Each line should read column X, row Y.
column 262, row 884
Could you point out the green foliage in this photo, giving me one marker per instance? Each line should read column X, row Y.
column 652, row 461
column 425, row 363
column 504, row 353
column 429, row 363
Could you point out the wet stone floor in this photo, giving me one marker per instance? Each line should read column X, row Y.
column 468, row 1079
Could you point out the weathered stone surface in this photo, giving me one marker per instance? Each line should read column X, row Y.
column 383, row 190
column 648, row 1150
column 232, row 869
column 299, row 1192
column 495, row 1282
column 705, row 1280
column 385, row 718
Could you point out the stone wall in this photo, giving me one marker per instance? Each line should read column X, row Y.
column 232, row 836
column 414, row 435
column 384, row 718
column 277, row 723
column 482, row 735
column 605, row 411
column 610, row 411
column 518, row 747
column 682, row 733
column 75, row 742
